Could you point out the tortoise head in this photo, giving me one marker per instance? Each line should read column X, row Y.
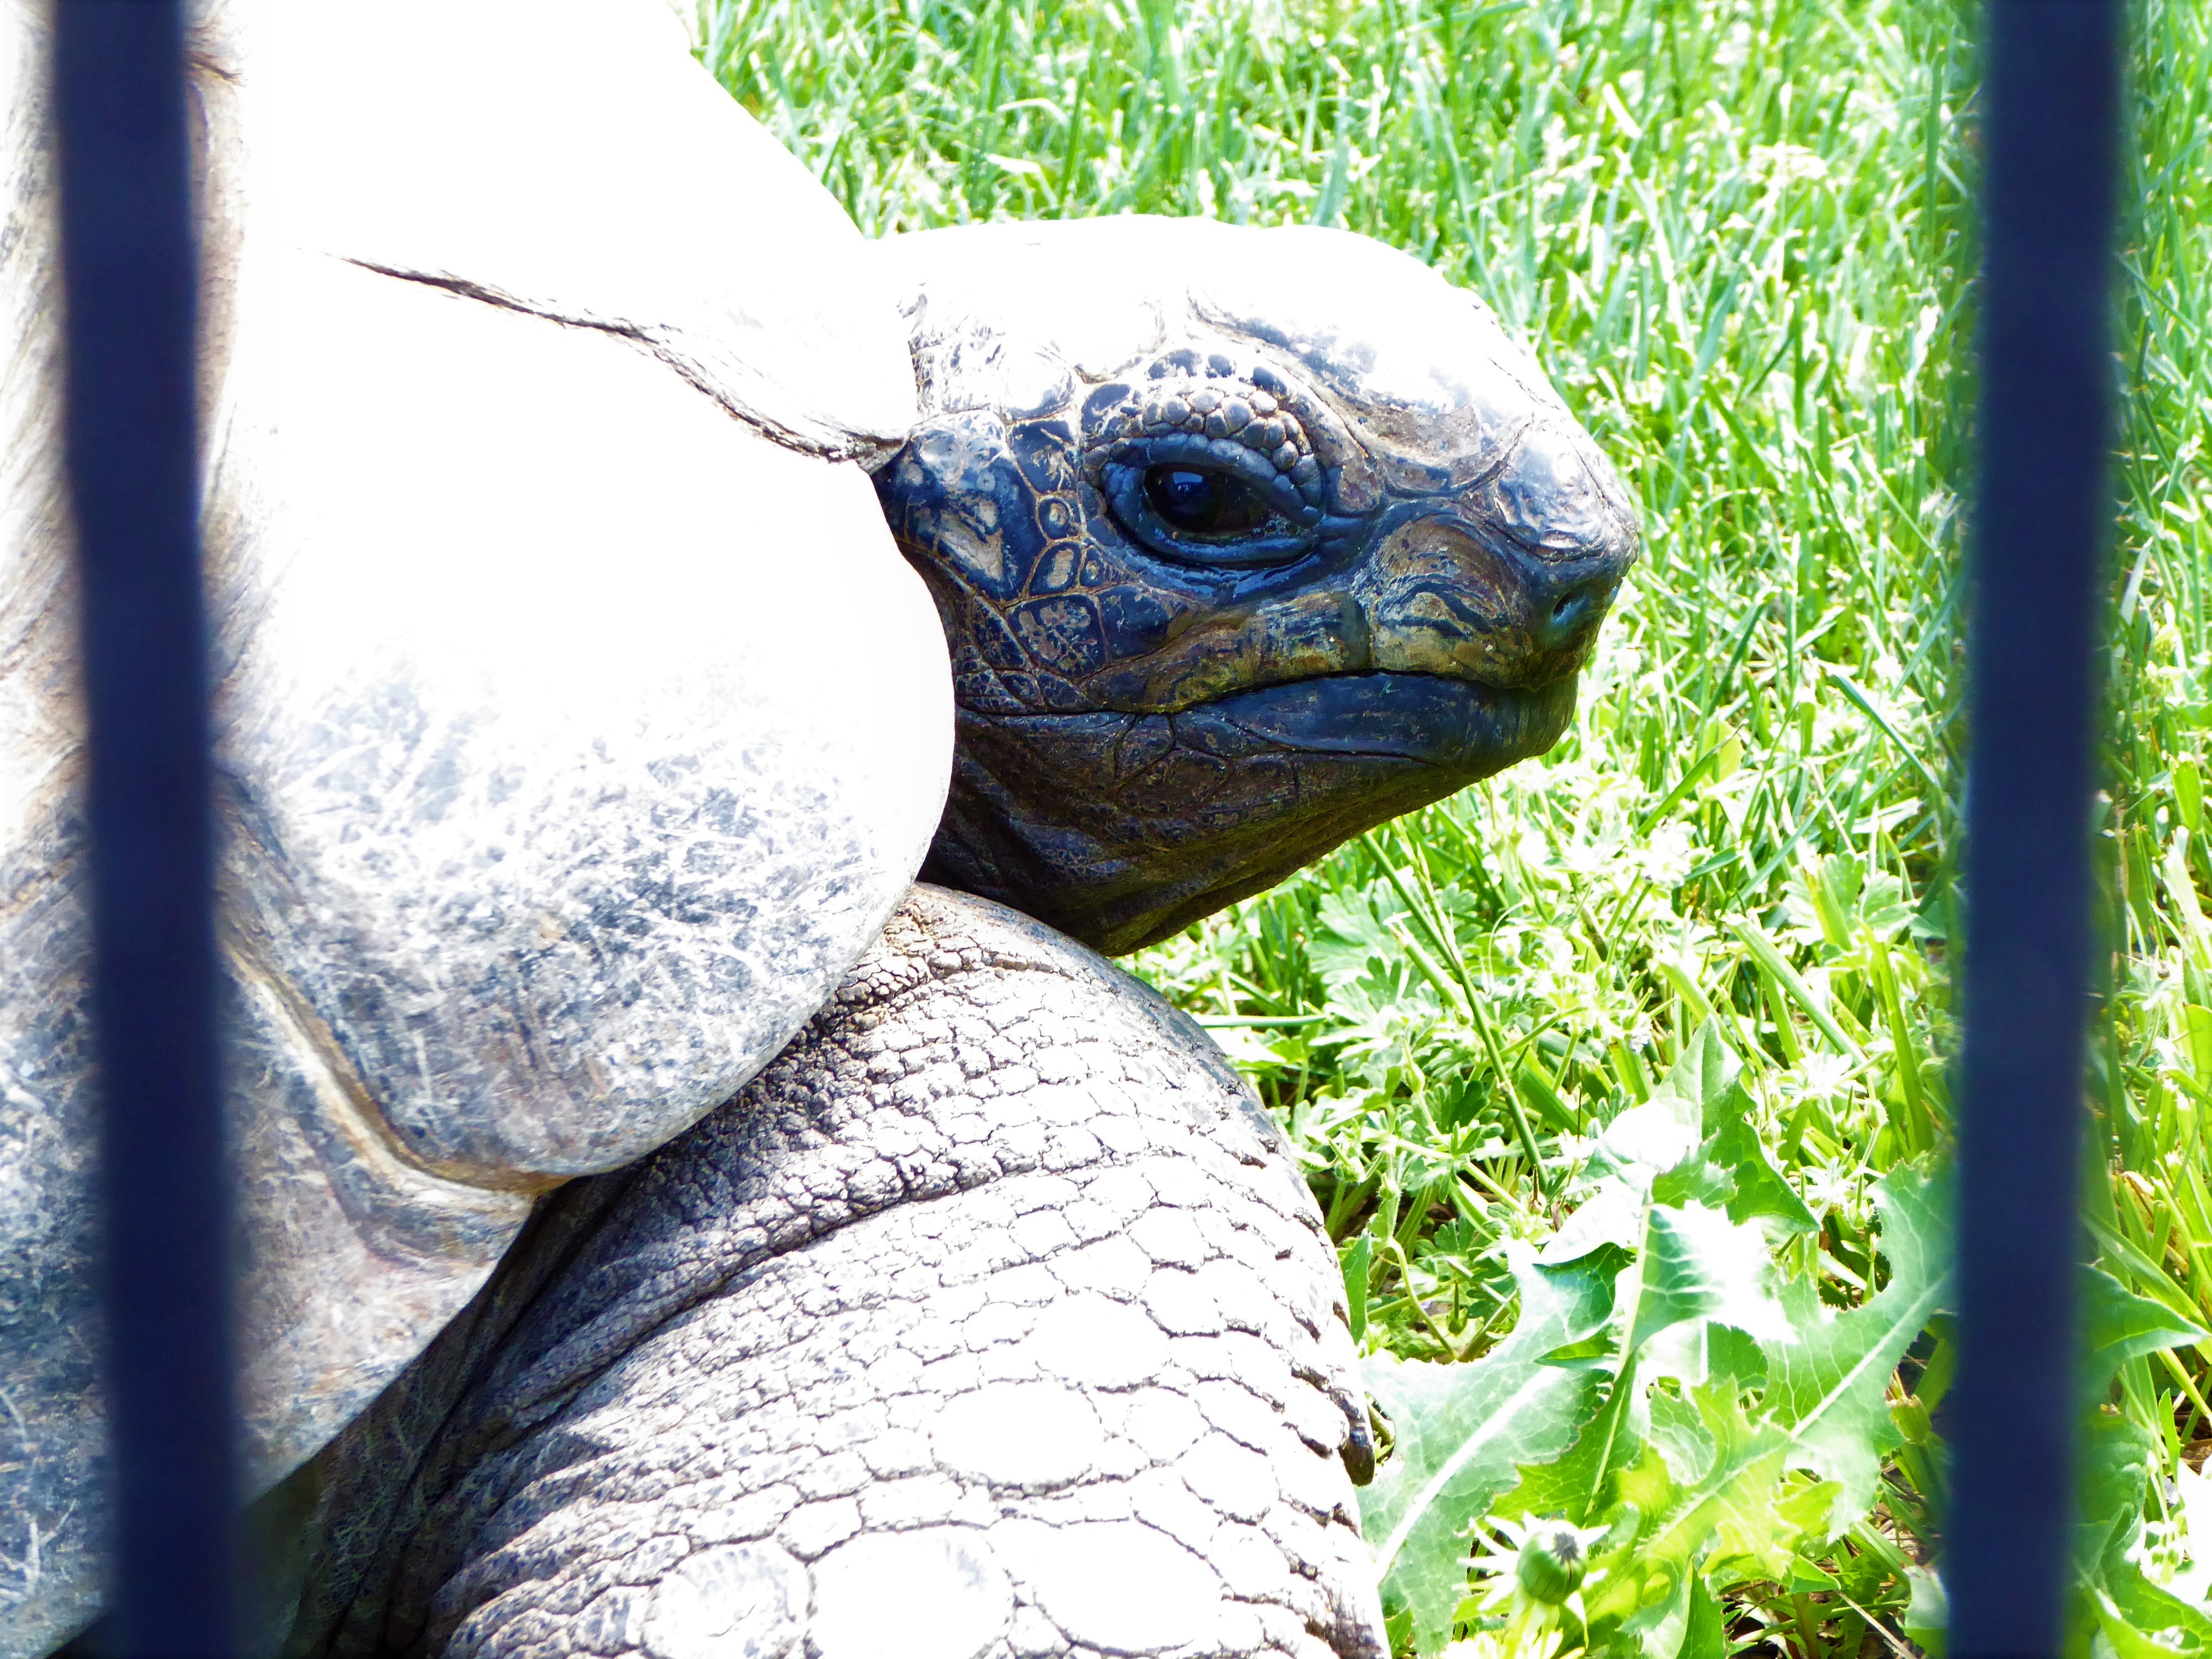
column 1243, row 540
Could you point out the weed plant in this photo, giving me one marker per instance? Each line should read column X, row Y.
column 1620, row 1080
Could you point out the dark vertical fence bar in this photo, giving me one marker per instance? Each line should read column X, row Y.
column 128, row 265
column 2043, row 513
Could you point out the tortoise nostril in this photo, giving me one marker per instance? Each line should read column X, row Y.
column 1570, row 611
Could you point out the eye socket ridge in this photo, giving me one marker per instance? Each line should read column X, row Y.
column 1197, row 502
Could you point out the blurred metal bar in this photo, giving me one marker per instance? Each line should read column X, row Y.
column 128, row 270
column 2042, row 515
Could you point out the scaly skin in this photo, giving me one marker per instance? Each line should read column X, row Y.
column 991, row 1320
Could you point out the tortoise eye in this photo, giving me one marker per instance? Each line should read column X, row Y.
column 1201, row 502
column 1207, row 503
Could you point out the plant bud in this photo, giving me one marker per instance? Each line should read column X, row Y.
column 1552, row 1563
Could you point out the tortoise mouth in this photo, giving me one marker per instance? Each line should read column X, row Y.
column 1431, row 719
column 1121, row 828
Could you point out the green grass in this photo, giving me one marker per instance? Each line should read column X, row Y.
column 1739, row 237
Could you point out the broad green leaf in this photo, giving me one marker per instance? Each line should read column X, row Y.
column 1696, row 1351
column 2114, row 1459
column 1706, row 1634
column 1354, row 938
column 1645, row 1142
column 1805, row 1508
column 2159, row 1612
column 1579, row 1483
column 1834, row 897
column 1708, row 1073
column 1732, row 1352
column 1700, row 1282
column 1641, row 1604
column 1728, row 1169
column 2127, row 1642
column 1728, row 1522
column 1697, row 1099
column 1679, row 1435
column 2195, row 1492
column 1731, row 1143
column 2117, row 1326
column 1599, row 1351
column 1827, row 1387
column 1357, row 1263
column 1698, row 1264
column 1806, row 1575
column 2150, row 1274
column 1927, row 1619
column 1754, row 1529
column 1611, row 1215
column 1760, row 1191
column 1696, row 1179
column 2157, row 1618
column 1462, row 1430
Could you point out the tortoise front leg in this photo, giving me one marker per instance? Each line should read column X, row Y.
column 991, row 1320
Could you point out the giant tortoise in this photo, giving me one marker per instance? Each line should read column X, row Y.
column 668, row 1228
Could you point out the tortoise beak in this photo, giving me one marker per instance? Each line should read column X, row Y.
column 1444, row 594
column 1505, row 583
